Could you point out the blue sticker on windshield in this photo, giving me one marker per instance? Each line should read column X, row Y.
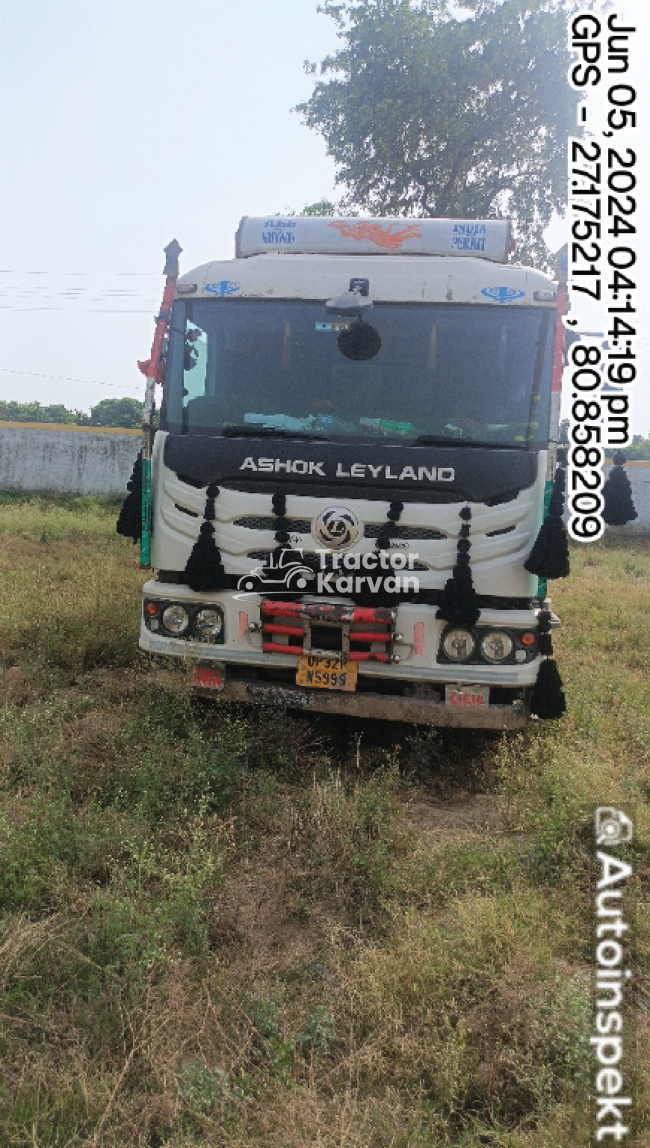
column 223, row 288
column 502, row 294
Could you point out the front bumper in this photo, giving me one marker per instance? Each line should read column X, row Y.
column 418, row 627
column 383, row 707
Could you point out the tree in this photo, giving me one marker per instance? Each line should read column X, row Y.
column 116, row 413
column 15, row 412
column 429, row 112
column 323, row 207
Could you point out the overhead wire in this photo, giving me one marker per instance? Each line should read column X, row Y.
column 67, row 378
column 19, row 295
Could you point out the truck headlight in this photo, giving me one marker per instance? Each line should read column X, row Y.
column 208, row 623
column 496, row 646
column 458, row 644
column 175, row 619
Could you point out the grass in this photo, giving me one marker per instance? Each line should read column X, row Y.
column 240, row 927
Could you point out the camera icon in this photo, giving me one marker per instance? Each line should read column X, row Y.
column 612, row 826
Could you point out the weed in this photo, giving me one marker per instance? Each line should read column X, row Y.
column 204, row 1089
column 318, row 1034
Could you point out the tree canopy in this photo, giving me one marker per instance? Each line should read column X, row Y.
column 430, row 111
column 11, row 411
column 107, row 413
column 116, row 413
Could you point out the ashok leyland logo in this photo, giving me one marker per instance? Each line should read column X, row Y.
column 337, row 528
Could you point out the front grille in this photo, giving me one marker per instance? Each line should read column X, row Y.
column 350, row 630
column 505, row 530
column 184, row 510
column 292, row 525
column 418, row 533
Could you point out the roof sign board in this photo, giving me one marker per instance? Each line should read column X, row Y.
column 323, row 235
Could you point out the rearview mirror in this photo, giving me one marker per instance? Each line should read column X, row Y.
column 349, row 305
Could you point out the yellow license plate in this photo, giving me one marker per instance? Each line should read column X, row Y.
column 326, row 673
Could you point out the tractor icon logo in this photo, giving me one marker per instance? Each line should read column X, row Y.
column 283, row 571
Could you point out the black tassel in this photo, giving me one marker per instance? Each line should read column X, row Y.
column 545, row 645
column 459, row 603
column 382, row 542
column 549, row 557
column 204, row 570
column 279, row 504
column 617, row 493
column 547, row 700
column 129, row 522
column 385, row 533
column 282, row 536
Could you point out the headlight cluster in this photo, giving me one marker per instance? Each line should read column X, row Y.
column 491, row 645
column 182, row 620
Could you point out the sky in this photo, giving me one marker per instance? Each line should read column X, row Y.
column 131, row 123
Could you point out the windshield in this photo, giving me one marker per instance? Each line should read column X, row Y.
column 442, row 372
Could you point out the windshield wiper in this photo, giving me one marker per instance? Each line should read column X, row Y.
column 445, row 440
column 269, row 432
column 448, row 440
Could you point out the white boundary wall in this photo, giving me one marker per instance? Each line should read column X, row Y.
column 66, row 459
column 85, row 460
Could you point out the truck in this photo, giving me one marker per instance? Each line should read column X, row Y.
column 345, row 502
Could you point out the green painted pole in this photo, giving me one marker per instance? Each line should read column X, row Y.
column 154, row 370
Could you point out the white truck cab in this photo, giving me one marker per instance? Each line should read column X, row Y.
column 357, row 435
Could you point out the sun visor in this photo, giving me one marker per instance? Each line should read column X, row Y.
column 323, row 235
